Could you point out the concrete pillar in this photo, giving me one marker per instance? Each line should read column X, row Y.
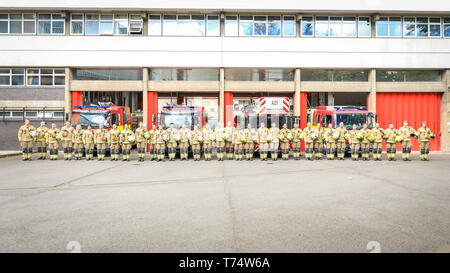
column 222, row 96
column 67, row 95
column 372, row 104
column 297, row 89
column 67, row 24
column 445, row 114
column 222, row 25
column 145, row 96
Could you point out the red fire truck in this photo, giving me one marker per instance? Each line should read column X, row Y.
column 349, row 115
column 96, row 115
column 181, row 114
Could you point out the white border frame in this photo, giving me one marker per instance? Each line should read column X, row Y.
column 77, row 20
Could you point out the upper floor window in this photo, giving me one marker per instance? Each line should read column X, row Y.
column 408, row 75
column 184, row 74
column 110, row 24
column 107, row 74
column 389, row 27
column 333, row 26
column 45, row 76
column 307, row 26
column 183, row 25
column 77, row 24
column 447, row 27
column 335, row 75
column 14, row 76
column 364, row 27
column 231, row 25
column 18, row 23
column 259, row 25
column 422, row 27
column 245, row 74
column 51, row 24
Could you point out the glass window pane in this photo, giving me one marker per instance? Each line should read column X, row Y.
column 17, row 71
column 92, row 27
column 198, row 25
column 5, row 80
column 423, row 20
column 184, row 25
column 274, row 26
column 44, row 17
column 422, row 30
column 121, row 27
column 4, row 16
column 435, row 20
column 58, row 27
column 364, row 27
column 32, row 71
column 59, row 71
column 106, row 27
column 447, row 30
column 3, row 26
column 335, row 26
column 395, row 27
column 170, row 25
column 46, row 80
column 46, row 71
column 349, row 27
column 15, row 27
column 32, row 80
column 77, row 28
column 246, row 26
column 260, row 25
column 17, row 80
column 59, row 80
column 29, row 27
column 5, row 71
column 447, row 20
column 321, row 26
column 409, row 27
column 435, row 30
column 382, row 29
column 288, row 26
column 231, row 26
column 213, row 26
column 154, row 25
column 307, row 26
column 44, row 27
column 77, row 16
column 92, row 17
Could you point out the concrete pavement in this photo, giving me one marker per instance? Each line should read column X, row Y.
column 293, row 206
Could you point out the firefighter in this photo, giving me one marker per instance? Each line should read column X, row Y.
column 366, row 137
column 274, row 132
column 88, row 142
column 114, row 142
column 250, row 137
column 390, row 136
column 141, row 136
column 53, row 137
column 406, row 132
column 309, row 135
column 41, row 133
column 229, row 149
column 239, row 141
column 196, row 140
column 77, row 140
column 67, row 132
column 285, row 136
column 26, row 134
column 100, row 139
column 126, row 140
column 220, row 136
column 263, row 139
column 377, row 141
column 161, row 138
column 341, row 142
column 318, row 141
column 423, row 137
column 208, row 138
column 185, row 135
column 354, row 140
column 152, row 142
column 297, row 135
column 331, row 136
column 172, row 138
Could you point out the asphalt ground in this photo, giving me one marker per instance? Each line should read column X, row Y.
column 282, row 206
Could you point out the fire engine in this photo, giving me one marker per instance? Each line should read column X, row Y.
column 181, row 114
column 349, row 115
column 95, row 115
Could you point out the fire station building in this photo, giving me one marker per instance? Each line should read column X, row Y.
column 392, row 57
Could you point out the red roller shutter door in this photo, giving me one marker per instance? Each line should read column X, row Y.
column 395, row 107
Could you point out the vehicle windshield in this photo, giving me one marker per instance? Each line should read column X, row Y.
column 350, row 119
column 93, row 119
column 179, row 118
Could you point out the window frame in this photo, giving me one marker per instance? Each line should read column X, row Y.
column 206, row 25
column 100, row 33
column 77, row 20
column 135, row 21
column 443, row 26
column 236, row 26
column 328, row 26
column 90, row 20
column 51, row 20
column 7, row 22
column 389, row 27
column 370, row 27
column 160, row 24
column 313, row 23
column 29, row 20
column 239, row 25
column 40, row 74
column 282, row 26
column 115, row 30
column 265, row 22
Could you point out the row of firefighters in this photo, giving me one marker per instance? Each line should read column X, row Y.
column 230, row 141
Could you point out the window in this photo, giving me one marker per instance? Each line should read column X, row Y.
column 197, row 25
column 106, row 24
column 107, row 74
column 274, row 25
column 10, row 77
column 231, row 26
column 422, row 27
column 409, row 27
column 260, row 25
column 349, row 27
column 335, row 26
column 15, row 24
column 136, row 24
column 213, row 26
column 76, row 24
column 447, row 27
column 389, row 27
column 170, row 25
column 335, row 75
column 154, row 25
column 321, row 26
column 50, row 24
column 245, row 25
column 92, row 24
column 4, row 23
column 364, row 28
column 408, row 75
column 29, row 23
column 435, row 27
column 307, row 26
column 288, row 26
column 245, row 74
column 120, row 24
column 183, row 74
column 45, row 77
